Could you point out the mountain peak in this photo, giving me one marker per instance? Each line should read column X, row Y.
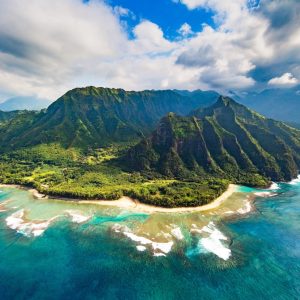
column 226, row 139
column 224, row 101
column 97, row 116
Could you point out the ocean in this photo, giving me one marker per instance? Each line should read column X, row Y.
column 51, row 249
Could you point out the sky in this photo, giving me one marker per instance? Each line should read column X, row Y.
column 49, row 47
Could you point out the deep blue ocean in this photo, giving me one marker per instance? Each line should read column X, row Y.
column 85, row 260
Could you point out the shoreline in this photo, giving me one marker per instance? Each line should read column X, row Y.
column 129, row 203
column 132, row 204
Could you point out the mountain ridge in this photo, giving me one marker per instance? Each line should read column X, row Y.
column 82, row 147
column 95, row 117
column 223, row 138
column 278, row 103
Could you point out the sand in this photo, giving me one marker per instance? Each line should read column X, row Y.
column 131, row 204
column 128, row 203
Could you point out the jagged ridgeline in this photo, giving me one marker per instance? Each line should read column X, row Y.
column 225, row 139
column 6, row 116
column 96, row 117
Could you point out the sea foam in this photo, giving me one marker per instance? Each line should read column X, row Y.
column 159, row 249
column 77, row 217
column 295, row 181
column 176, row 232
column 274, row 186
column 29, row 229
column 212, row 242
column 246, row 209
column 265, row 194
column 141, row 248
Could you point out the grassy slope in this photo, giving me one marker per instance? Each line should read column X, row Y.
column 226, row 140
column 186, row 161
column 94, row 175
column 95, row 117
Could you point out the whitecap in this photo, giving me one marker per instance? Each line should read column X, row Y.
column 265, row 194
column 141, row 248
column 29, row 229
column 246, row 209
column 77, row 217
column 213, row 241
column 274, row 186
column 163, row 247
column 176, row 232
column 15, row 220
column 295, row 181
column 215, row 246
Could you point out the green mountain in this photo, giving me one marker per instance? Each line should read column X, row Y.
column 93, row 117
column 207, row 97
column 189, row 158
column 6, row 116
column 280, row 104
column 293, row 124
column 224, row 140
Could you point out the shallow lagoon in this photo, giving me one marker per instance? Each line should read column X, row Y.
column 92, row 252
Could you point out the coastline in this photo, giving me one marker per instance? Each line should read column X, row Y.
column 131, row 204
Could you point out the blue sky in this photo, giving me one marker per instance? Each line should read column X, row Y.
column 165, row 13
column 48, row 47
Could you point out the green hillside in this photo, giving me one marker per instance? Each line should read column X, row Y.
column 225, row 140
column 96, row 143
column 6, row 116
column 95, row 117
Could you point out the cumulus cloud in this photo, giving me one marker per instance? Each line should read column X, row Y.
column 287, row 79
column 48, row 47
column 60, row 44
column 150, row 38
column 121, row 11
column 185, row 30
column 247, row 35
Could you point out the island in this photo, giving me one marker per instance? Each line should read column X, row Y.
column 162, row 148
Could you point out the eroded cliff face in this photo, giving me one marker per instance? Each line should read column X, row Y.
column 226, row 140
column 97, row 117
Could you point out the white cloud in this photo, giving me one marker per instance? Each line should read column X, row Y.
column 243, row 39
column 46, row 45
column 123, row 12
column 287, row 79
column 149, row 38
column 185, row 30
column 50, row 46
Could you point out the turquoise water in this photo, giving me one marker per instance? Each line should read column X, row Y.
column 89, row 260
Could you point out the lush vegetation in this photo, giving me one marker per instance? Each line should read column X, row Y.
column 225, row 140
column 6, row 116
column 91, row 144
column 95, row 117
column 71, row 173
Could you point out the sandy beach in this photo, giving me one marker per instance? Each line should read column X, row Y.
column 35, row 193
column 131, row 204
column 128, row 203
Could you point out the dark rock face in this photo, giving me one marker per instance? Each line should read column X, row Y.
column 225, row 139
column 95, row 117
